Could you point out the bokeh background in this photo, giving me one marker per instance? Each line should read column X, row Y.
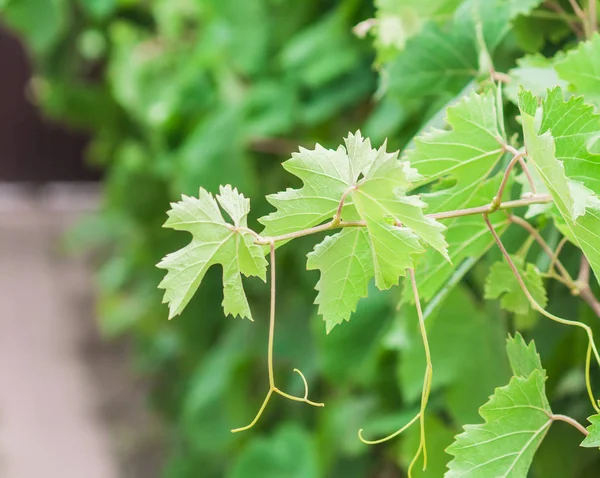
column 109, row 110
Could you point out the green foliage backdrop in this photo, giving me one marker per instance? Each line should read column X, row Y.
column 182, row 94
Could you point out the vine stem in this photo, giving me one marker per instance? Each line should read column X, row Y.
column 571, row 421
column 583, row 285
column 272, row 387
column 544, row 245
column 337, row 224
column 556, row 253
column 538, row 307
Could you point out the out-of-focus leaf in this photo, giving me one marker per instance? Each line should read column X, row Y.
column 289, row 452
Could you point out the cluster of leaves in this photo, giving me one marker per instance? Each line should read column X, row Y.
column 182, row 94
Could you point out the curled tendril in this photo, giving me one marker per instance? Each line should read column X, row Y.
column 272, row 387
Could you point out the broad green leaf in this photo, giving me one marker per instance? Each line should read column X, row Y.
column 516, row 421
column 501, row 283
column 535, row 73
column 593, row 439
column 373, row 185
column 553, row 145
column 517, row 418
column 524, row 359
column 581, row 68
column 214, row 241
column 457, row 162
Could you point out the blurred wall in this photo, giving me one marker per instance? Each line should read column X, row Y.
column 32, row 148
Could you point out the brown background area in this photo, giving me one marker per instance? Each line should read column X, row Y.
column 32, row 148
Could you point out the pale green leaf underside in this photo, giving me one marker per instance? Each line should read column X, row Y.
column 213, row 242
column 576, row 202
column 517, row 418
column 535, row 73
column 502, row 283
column 373, row 185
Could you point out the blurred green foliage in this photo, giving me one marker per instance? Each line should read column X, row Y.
column 179, row 94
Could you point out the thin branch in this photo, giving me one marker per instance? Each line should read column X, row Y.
column 544, row 245
column 583, row 284
column 573, row 24
column 498, row 199
column 593, row 17
column 574, row 423
column 556, row 253
column 578, row 11
column 488, row 208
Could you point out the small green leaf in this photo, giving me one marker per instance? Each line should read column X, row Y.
column 501, row 282
column 524, row 359
column 593, row 439
column 346, row 268
column 214, row 241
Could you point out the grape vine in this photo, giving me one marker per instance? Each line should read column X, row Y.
column 366, row 193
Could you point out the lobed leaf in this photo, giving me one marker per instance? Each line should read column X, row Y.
column 558, row 149
column 373, row 184
column 593, row 439
column 214, row 241
column 502, row 283
column 517, row 418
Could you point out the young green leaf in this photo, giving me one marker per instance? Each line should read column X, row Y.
column 372, row 185
column 501, row 282
column 593, row 439
column 517, row 417
column 558, row 142
column 581, row 68
column 344, row 260
column 524, row 359
column 214, row 241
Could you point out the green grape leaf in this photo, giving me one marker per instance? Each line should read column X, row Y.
column 445, row 58
column 593, row 439
column 457, row 162
column 524, row 359
column 551, row 148
column 581, row 68
column 517, row 418
column 346, row 268
column 373, row 184
column 502, row 283
column 535, row 73
column 214, row 241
